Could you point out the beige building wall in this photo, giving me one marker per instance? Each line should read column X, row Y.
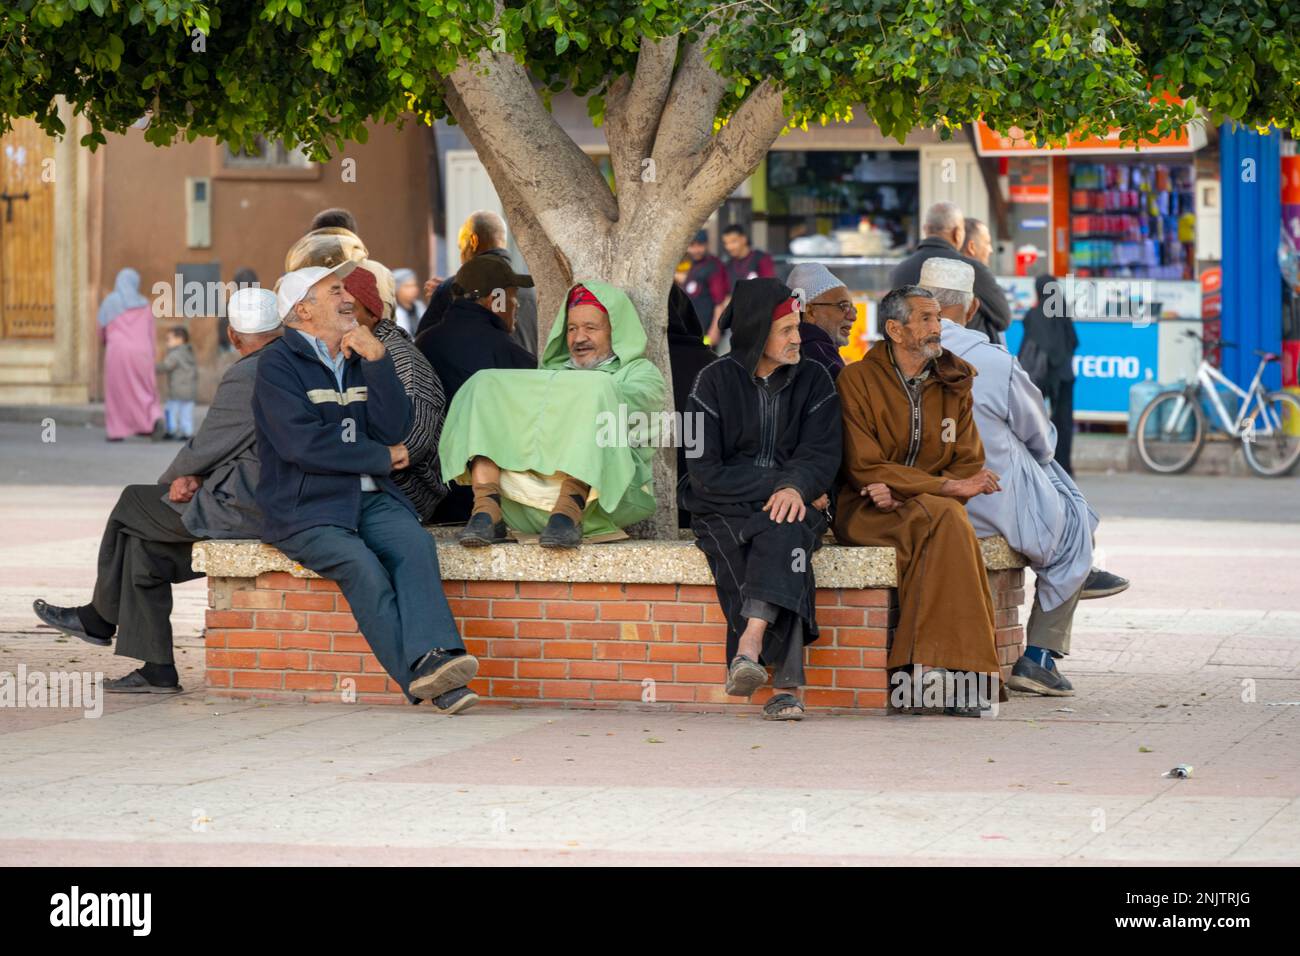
column 135, row 216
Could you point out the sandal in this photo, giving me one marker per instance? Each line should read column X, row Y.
column 744, row 676
column 772, row 710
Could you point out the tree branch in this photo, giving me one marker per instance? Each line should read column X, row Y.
column 738, row 148
column 686, row 126
column 556, row 179
column 633, row 107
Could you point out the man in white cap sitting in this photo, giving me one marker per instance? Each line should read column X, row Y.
column 829, row 314
column 331, row 415
column 207, row 492
column 1040, row 510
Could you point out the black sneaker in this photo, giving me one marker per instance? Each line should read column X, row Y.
column 440, row 671
column 479, row 531
column 560, row 532
column 136, row 683
column 1102, row 584
column 67, row 620
column 1030, row 677
column 455, row 701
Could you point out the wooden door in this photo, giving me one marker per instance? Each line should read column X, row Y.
column 26, row 233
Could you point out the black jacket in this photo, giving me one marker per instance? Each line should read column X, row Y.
column 525, row 332
column 687, row 356
column 1057, row 337
column 470, row 339
column 758, row 438
column 994, row 314
column 821, row 348
column 314, row 443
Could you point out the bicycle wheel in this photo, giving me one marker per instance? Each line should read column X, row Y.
column 1170, row 433
column 1271, row 441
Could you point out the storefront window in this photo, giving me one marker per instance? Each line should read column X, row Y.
column 1132, row 219
column 842, row 203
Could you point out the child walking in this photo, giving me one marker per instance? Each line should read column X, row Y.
column 182, row 384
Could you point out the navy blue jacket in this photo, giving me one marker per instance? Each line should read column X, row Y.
column 311, row 459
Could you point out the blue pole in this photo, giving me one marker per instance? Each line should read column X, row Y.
column 1251, row 169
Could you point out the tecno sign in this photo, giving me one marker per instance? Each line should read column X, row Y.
column 1107, row 366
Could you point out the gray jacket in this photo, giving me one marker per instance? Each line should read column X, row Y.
column 182, row 373
column 224, row 455
column 1040, row 510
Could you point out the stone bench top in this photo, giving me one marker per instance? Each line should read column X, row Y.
column 620, row 562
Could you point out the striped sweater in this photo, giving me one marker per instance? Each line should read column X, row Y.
column 422, row 481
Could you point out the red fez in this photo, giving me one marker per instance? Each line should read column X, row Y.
column 581, row 296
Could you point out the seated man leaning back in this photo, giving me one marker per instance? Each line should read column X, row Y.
column 564, row 449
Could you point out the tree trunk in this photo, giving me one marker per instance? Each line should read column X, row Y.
column 671, row 172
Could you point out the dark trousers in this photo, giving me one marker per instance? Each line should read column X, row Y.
column 388, row 571
column 1061, row 396
column 145, row 550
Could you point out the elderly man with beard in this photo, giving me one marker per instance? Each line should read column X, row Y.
column 829, row 314
column 206, row 492
column 758, row 491
column 912, row 459
column 331, row 415
column 560, row 450
column 1040, row 511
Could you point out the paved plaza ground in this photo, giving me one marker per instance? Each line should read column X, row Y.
column 1198, row 663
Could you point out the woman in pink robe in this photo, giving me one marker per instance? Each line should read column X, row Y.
column 131, row 405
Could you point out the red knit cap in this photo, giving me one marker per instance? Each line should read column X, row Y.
column 581, row 296
column 784, row 308
column 361, row 285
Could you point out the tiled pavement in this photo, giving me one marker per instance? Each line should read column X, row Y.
column 1199, row 663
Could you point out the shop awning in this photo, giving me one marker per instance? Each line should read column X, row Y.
column 1016, row 143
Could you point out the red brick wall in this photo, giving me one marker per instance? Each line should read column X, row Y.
column 584, row 645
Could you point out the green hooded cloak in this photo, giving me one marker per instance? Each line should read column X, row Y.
column 557, row 419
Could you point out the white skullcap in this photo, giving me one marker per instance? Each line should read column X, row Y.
column 940, row 273
column 813, row 278
column 252, row 310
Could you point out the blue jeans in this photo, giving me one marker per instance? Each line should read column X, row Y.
column 388, row 571
column 180, row 417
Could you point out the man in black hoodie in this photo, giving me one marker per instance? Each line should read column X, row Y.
column 770, row 449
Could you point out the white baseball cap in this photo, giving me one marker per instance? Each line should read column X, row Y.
column 293, row 287
column 252, row 310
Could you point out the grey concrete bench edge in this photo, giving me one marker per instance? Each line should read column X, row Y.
column 620, row 562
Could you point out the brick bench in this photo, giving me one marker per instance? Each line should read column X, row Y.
column 628, row 624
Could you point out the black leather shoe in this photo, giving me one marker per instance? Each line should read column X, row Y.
column 561, row 532
column 1030, row 677
column 1102, row 584
column 455, row 701
column 65, row 619
column 441, row 671
column 136, row 683
column 479, row 531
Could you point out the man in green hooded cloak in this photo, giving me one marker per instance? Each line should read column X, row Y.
column 564, row 450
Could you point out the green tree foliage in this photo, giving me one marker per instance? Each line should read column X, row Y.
column 314, row 71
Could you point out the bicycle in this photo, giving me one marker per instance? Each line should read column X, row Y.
column 1171, row 431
